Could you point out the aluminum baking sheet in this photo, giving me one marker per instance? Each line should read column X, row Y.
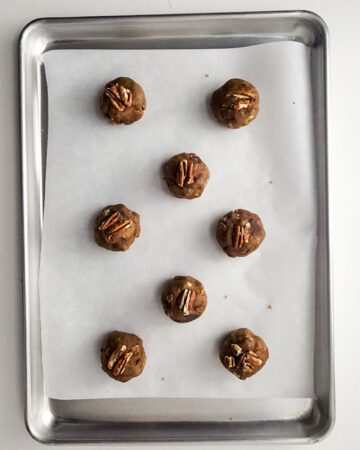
column 177, row 32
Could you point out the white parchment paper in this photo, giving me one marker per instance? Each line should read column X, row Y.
column 266, row 167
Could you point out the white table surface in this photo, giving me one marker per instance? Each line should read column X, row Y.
column 343, row 21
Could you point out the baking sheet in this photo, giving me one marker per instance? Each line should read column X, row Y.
column 266, row 167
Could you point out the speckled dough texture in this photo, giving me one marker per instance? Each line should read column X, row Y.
column 240, row 232
column 184, row 299
column 186, row 175
column 122, row 356
column 243, row 353
column 236, row 103
column 123, row 101
column 116, row 228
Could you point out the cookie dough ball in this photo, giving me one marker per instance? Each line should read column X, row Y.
column 186, row 175
column 184, row 299
column 116, row 228
column 122, row 356
column 123, row 101
column 243, row 353
column 240, row 232
column 236, row 103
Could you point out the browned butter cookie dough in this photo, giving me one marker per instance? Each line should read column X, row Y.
column 243, row 353
column 236, row 103
column 184, row 299
column 240, row 232
column 123, row 101
column 186, row 175
column 116, row 228
column 122, row 356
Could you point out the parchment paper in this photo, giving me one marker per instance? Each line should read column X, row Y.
column 266, row 167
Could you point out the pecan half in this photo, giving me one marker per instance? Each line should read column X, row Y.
column 111, row 225
column 107, row 221
column 253, row 359
column 186, row 300
column 116, row 228
column 120, row 366
column 229, row 361
column 120, row 357
column 236, row 349
column 241, row 235
column 185, row 173
column 248, row 361
column 115, row 355
column 119, row 96
column 243, row 101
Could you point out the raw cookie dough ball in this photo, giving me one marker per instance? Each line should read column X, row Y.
column 240, row 232
column 116, row 228
column 123, row 101
column 243, row 353
column 186, row 175
column 236, row 103
column 184, row 299
column 122, row 356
